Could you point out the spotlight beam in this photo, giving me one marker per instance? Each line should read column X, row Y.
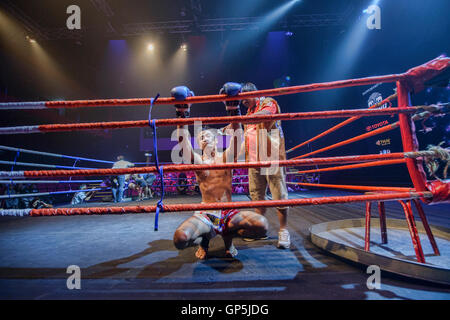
column 277, row 13
column 266, row 22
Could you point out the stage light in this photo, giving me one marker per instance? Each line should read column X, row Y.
column 282, row 82
column 375, row 2
column 31, row 59
column 184, row 47
column 183, row 11
column 289, row 33
column 150, row 47
column 31, row 40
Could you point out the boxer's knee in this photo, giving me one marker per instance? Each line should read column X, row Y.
column 181, row 239
column 261, row 211
column 260, row 226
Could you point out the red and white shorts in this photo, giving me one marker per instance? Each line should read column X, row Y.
column 217, row 220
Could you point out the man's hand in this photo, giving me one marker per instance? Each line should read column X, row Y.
column 232, row 89
column 181, row 93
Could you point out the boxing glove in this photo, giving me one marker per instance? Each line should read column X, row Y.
column 232, row 106
column 180, row 93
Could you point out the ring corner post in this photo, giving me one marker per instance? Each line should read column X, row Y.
column 409, row 139
column 367, row 230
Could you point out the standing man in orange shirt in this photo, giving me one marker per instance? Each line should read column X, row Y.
column 265, row 141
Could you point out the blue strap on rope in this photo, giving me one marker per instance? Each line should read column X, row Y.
column 152, row 124
column 70, row 178
column 12, row 169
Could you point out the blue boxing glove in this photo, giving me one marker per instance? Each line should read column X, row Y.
column 181, row 93
column 232, row 106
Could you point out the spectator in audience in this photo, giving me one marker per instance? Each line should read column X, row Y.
column 138, row 183
column 11, row 203
column 182, row 187
column 118, row 187
column 82, row 196
column 39, row 204
column 149, row 178
column 29, row 188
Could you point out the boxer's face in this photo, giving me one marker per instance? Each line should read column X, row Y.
column 206, row 138
column 249, row 103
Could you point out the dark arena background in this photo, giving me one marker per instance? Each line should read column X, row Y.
column 59, row 51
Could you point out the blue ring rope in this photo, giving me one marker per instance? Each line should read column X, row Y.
column 12, row 169
column 70, row 178
column 152, row 124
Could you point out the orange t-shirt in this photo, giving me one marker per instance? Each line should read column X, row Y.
column 251, row 130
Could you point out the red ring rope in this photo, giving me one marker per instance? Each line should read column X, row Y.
column 223, row 97
column 354, row 166
column 414, row 77
column 233, row 205
column 204, row 120
column 350, row 187
column 217, row 166
column 375, row 132
column 341, row 125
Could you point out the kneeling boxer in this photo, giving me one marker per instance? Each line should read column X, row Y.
column 215, row 185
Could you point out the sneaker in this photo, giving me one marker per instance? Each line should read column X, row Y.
column 284, row 239
column 231, row 252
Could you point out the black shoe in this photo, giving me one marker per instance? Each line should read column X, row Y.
column 255, row 239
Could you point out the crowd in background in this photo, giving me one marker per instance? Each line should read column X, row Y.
column 240, row 181
column 178, row 183
column 172, row 182
column 31, row 202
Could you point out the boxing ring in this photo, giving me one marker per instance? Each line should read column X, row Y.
column 422, row 190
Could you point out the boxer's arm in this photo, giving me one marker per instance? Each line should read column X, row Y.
column 234, row 129
column 233, row 151
column 263, row 112
column 90, row 195
column 184, row 140
column 180, row 93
